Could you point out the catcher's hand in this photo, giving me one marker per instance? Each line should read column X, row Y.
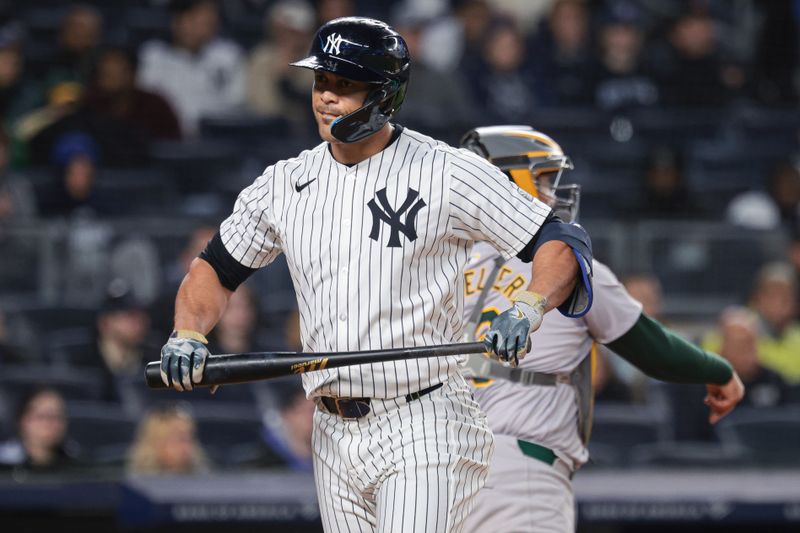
column 721, row 399
column 508, row 337
column 183, row 359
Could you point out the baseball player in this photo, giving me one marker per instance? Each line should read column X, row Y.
column 377, row 224
column 540, row 413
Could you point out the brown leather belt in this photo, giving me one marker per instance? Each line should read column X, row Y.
column 360, row 407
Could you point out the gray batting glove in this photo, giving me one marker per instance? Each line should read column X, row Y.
column 183, row 359
column 508, row 338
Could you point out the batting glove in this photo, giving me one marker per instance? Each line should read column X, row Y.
column 508, row 338
column 183, row 359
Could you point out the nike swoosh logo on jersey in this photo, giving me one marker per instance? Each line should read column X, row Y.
column 299, row 187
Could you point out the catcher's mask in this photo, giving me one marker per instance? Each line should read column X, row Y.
column 532, row 160
column 367, row 50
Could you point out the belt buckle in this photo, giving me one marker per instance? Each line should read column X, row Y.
column 339, row 410
column 360, row 405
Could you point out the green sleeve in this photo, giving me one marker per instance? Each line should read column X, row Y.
column 662, row 354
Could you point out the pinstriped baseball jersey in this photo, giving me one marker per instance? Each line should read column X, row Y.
column 546, row 415
column 377, row 250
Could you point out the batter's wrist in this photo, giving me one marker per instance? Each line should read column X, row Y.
column 189, row 334
column 533, row 299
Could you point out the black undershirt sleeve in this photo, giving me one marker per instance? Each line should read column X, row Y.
column 231, row 273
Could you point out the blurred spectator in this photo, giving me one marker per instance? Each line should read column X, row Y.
column 18, row 95
column 436, row 100
column 693, row 73
column 646, row 289
column 793, row 252
column 739, row 331
column 504, row 85
column 166, row 444
column 41, row 446
column 287, row 434
column 9, row 354
column 774, row 299
column 199, row 73
column 79, row 41
column 562, row 54
column 120, row 349
column 237, row 329
column 665, row 194
column 738, row 342
column 74, row 158
column 292, row 332
column 608, row 386
column 527, row 14
column 454, row 38
column 195, row 243
column 334, row 9
column 113, row 95
column 273, row 87
column 778, row 206
column 776, row 54
column 17, row 199
column 620, row 77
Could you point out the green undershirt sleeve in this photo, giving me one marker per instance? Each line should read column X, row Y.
column 662, row 354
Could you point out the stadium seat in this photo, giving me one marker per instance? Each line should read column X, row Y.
column 85, row 384
column 223, row 427
column 686, row 455
column 619, row 427
column 103, row 432
column 768, row 436
column 701, row 265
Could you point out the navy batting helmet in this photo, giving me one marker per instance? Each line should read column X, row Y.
column 367, row 50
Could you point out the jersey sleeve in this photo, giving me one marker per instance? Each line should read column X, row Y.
column 486, row 206
column 613, row 311
column 249, row 233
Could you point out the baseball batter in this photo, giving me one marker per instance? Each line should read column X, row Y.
column 540, row 413
column 377, row 224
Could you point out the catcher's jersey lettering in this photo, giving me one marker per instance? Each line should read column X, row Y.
column 377, row 251
column 507, row 281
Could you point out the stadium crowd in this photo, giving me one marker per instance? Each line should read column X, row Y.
column 129, row 126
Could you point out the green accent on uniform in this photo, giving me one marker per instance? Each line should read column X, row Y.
column 545, row 455
column 662, row 354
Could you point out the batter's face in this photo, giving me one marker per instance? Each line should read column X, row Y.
column 332, row 97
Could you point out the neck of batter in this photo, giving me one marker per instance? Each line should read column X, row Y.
column 354, row 153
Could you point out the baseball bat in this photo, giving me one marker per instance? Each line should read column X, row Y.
column 244, row 367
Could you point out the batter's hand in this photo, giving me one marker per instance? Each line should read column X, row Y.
column 508, row 338
column 183, row 359
column 721, row 399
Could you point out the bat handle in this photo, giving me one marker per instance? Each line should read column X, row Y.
column 152, row 375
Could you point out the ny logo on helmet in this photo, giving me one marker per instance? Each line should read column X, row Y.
column 386, row 214
column 333, row 44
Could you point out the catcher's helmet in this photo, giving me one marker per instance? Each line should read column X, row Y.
column 368, row 50
column 525, row 155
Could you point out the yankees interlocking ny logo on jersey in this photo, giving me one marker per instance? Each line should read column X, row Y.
column 392, row 217
column 333, row 44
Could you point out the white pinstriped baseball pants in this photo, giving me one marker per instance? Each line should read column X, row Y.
column 405, row 467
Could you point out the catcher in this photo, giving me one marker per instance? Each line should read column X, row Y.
column 541, row 411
